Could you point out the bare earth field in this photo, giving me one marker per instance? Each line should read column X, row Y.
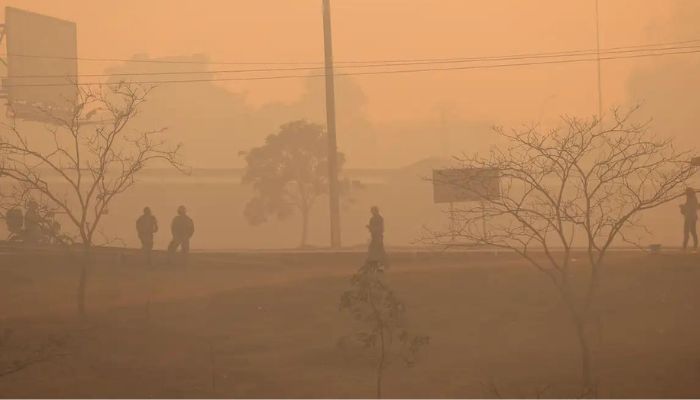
column 268, row 325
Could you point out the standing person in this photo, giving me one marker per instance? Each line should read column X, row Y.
column 690, row 217
column 182, row 229
column 376, row 229
column 146, row 226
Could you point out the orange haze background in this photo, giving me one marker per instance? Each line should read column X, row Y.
column 384, row 121
column 291, row 30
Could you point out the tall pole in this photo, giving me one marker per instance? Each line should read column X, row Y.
column 334, row 196
column 600, row 85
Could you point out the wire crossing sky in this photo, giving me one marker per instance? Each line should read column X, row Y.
column 655, row 52
column 264, row 49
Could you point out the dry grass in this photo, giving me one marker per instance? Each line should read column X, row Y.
column 268, row 326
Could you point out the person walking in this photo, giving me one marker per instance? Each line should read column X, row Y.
column 182, row 229
column 690, row 218
column 146, row 227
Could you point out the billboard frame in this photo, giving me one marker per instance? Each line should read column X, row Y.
column 3, row 91
column 447, row 183
column 37, row 45
column 457, row 185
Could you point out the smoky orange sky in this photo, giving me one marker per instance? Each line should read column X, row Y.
column 385, row 121
column 291, row 30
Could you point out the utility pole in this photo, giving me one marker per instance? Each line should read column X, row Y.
column 334, row 196
column 600, row 85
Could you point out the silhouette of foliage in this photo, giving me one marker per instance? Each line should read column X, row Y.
column 371, row 302
column 11, row 210
column 288, row 173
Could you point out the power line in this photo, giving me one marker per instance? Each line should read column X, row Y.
column 531, row 55
column 600, row 79
column 620, row 50
column 158, row 61
column 375, row 61
column 364, row 73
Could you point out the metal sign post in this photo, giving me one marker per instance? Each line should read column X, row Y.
column 41, row 61
column 483, row 218
column 452, row 222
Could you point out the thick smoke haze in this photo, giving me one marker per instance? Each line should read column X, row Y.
column 384, row 121
column 377, row 113
column 669, row 89
column 484, row 199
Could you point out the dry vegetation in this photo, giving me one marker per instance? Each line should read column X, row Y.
column 267, row 325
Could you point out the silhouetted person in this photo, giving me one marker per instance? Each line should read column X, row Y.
column 690, row 217
column 182, row 229
column 146, row 227
column 32, row 223
column 376, row 229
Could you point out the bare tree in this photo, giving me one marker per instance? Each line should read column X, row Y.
column 86, row 161
column 583, row 185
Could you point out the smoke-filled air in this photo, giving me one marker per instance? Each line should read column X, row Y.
column 349, row 199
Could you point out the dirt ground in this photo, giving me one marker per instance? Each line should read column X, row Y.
column 268, row 325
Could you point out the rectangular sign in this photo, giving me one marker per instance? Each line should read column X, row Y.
column 465, row 184
column 41, row 65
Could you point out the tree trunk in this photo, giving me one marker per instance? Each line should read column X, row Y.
column 82, row 283
column 212, row 364
column 592, row 287
column 304, row 226
column 586, row 362
column 380, row 364
column 589, row 314
column 579, row 321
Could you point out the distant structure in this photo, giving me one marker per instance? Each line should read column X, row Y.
column 41, row 64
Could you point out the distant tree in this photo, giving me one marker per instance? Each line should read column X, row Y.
column 84, row 161
column 289, row 172
column 585, row 184
column 375, row 305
